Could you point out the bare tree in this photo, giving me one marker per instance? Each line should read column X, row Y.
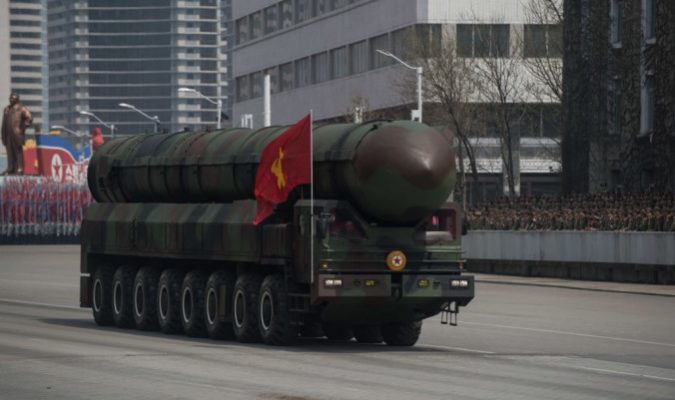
column 359, row 110
column 500, row 81
column 546, row 69
column 447, row 85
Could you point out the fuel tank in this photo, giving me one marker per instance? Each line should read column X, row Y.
column 392, row 171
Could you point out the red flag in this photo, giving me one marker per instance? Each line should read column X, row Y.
column 284, row 164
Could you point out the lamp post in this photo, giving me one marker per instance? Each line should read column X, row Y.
column 155, row 119
column 63, row 128
column 418, row 70
column 109, row 126
column 217, row 102
column 79, row 136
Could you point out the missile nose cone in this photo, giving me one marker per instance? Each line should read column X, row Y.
column 403, row 171
column 424, row 158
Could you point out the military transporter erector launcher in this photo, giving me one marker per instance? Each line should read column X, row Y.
column 170, row 242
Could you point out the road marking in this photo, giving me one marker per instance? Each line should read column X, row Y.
column 34, row 303
column 435, row 346
column 609, row 371
column 570, row 333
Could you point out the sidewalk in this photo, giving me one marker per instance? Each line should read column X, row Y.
column 635, row 288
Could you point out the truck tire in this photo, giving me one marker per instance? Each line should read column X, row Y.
column 101, row 295
column 337, row 332
column 123, row 295
column 192, row 303
column 245, row 308
column 145, row 298
column 218, row 305
column 401, row 333
column 367, row 333
column 274, row 319
column 168, row 300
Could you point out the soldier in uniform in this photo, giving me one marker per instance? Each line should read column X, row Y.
column 15, row 119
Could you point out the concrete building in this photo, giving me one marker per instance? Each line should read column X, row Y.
column 322, row 56
column 620, row 86
column 104, row 53
column 22, row 45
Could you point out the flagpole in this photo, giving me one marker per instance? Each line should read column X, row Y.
column 311, row 193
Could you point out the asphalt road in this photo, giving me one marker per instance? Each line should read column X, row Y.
column 513, row 342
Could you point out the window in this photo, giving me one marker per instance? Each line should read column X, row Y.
column 428, row 37
column 543, row 41
column 483, row 40
column 499, row 41
column 286, row 73
column 303, row 10
column 400, row 40
column 256, row 25
column 243, row 88
column 339, row 66
column 650, row 18
column 320, row 7
column 465, row 40
column 286, row 13
column 335, row 4
column 616, row 16
column 555, row 41
column 535, row 41
column 647, row 114
column 320, row 68
column 303, row 72
column 256, row 84
column 359, row 57
column 242, row 30
column 379, row 43
column 271, row 19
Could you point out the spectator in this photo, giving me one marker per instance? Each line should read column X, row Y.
column 96, row 138
column 601, row 211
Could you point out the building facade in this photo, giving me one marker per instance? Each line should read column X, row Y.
column 322, row 55
column 22, row 66
column 137, row 52
column 620, row 104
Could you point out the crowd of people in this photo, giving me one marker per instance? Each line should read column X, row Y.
column 592, row 212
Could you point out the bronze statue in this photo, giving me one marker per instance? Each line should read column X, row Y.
column 15, row 119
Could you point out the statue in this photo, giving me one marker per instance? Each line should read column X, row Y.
column 15, row 119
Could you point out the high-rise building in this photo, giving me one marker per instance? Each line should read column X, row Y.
column 22, row 64
column 137, row 52
column 322, row 55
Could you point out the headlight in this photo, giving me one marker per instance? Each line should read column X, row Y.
column 332, row 283
column 459, row 283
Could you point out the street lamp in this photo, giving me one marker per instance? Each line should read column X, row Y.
column 80, row 136
column 218, row 102
column 109, row 126
column 63, row 128
column 155, row 119
column 419, row 79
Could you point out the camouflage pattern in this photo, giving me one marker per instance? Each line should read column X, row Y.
column 394, row 172
column 186, row 200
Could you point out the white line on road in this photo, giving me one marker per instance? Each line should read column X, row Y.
column 609, row 371
column 464, row 349
column 34, row 303
column 570, row 333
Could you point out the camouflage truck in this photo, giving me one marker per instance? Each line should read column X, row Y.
column 170, row 243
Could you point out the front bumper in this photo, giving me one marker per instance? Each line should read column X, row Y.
column 451, row 287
